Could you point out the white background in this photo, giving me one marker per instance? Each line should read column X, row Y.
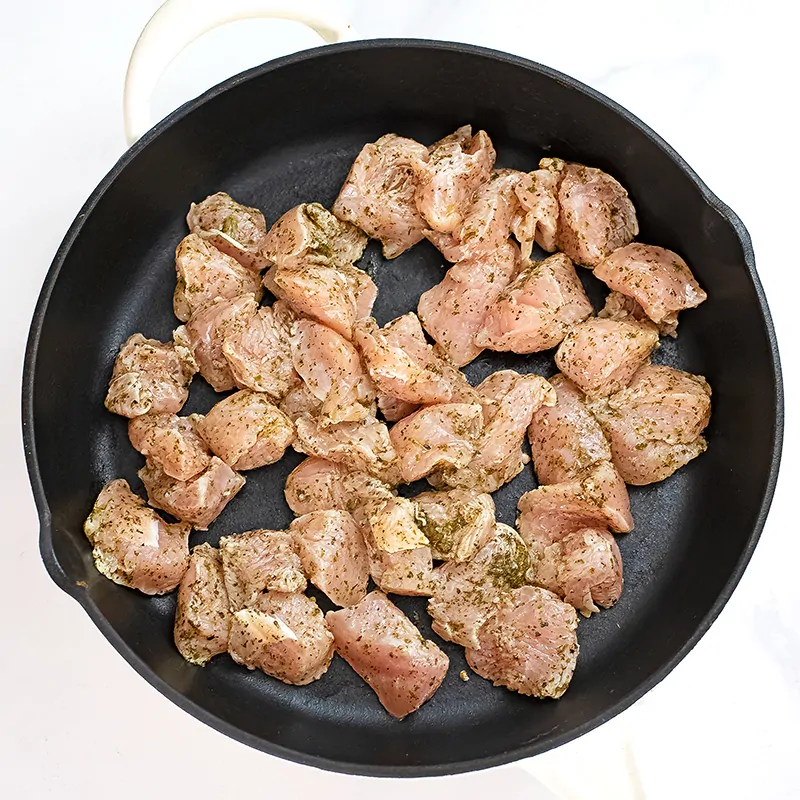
column 719, row 81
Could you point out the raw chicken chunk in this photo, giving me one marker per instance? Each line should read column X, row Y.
column 236, row 230
column 565, row 438
column 285, row 636
column 655, row 425
column 247, row 431
column 207, row 330
column 333, row 554
column 508, row 401
column 530, row 645
column 150, row 376
column 199, row 500
column 657, row 279
column 535, row 311
column 132, row 545
column 380, row 643
column 205, row 273
column 456, row 523
column 537, row 217
column 331, row 369
column 202, row 616
column 467, row 593
column 601, row 355
column 437, row 437
column 456, row 168
column 260, row 561
column 171, row 442
column 378, row 194
column 454, row 310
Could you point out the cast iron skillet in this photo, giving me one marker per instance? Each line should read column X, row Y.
column 284, row 133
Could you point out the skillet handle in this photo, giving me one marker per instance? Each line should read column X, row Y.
column 178, row 23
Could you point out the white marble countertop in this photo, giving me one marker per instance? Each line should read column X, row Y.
column 718, row 81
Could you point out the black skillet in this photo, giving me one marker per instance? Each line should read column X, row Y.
column 284, row 133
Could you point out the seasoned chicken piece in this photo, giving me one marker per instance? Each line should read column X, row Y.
column 467, row 593
column 285, row 636
column 132, row 545
column 150, row 376
column 456, row 523
column 437, row 437
column 601, row 355
column 207, row 330
column 331, row 369
column 456, row 168
column 199, row 500
column 300, row 401
column 537, row 217
column 246, row 431
column 508, row 400
column 205, row 273
column 655, row 425
column 333, row 554
column 595, row 214
column 258, row 353
column 399, row 555
column 535, row 311
column 236, row 230
column 260, row 561
column 171, row 442
column 364, row 446
column 597, row 498
column 454, row 310
column 382, row 645
column 530, row 645
column 584, row 569
column 378, row 194
column 310, row 234
column 657, row 279
column 202, row 616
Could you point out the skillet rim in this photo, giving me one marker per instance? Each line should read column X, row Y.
column 355, row 767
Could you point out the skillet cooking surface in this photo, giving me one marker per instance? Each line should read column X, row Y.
column 287, row 133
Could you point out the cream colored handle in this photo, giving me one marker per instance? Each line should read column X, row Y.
column 177, row 23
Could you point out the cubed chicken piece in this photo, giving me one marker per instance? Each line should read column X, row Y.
column 172, row 442
column 535, row 311
column 456, row 523
column 260, row 561
column 382, row 645
column 565, row 438
column 150, row 376
column 439, row 437
column 258, row 353
column 457, row 166
column 207, row 330
column 331, row 369
column 530, row 645
column 237, row 230
column 333, row 554
column 132, row 545
column 659, row 280
column 202, row 616
column 596, row 498
column 467, row 593
column 655, row 425
column 247, row 431
column 364, row 446
column 400, row 558
column 285, row 636
column 199, row 500
column 508, row 400
column 378, row 194
column 300, row 401
column 454, row 310
column 596, row 215
column 601, row 355
column 205, row 273
column 537, row 216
